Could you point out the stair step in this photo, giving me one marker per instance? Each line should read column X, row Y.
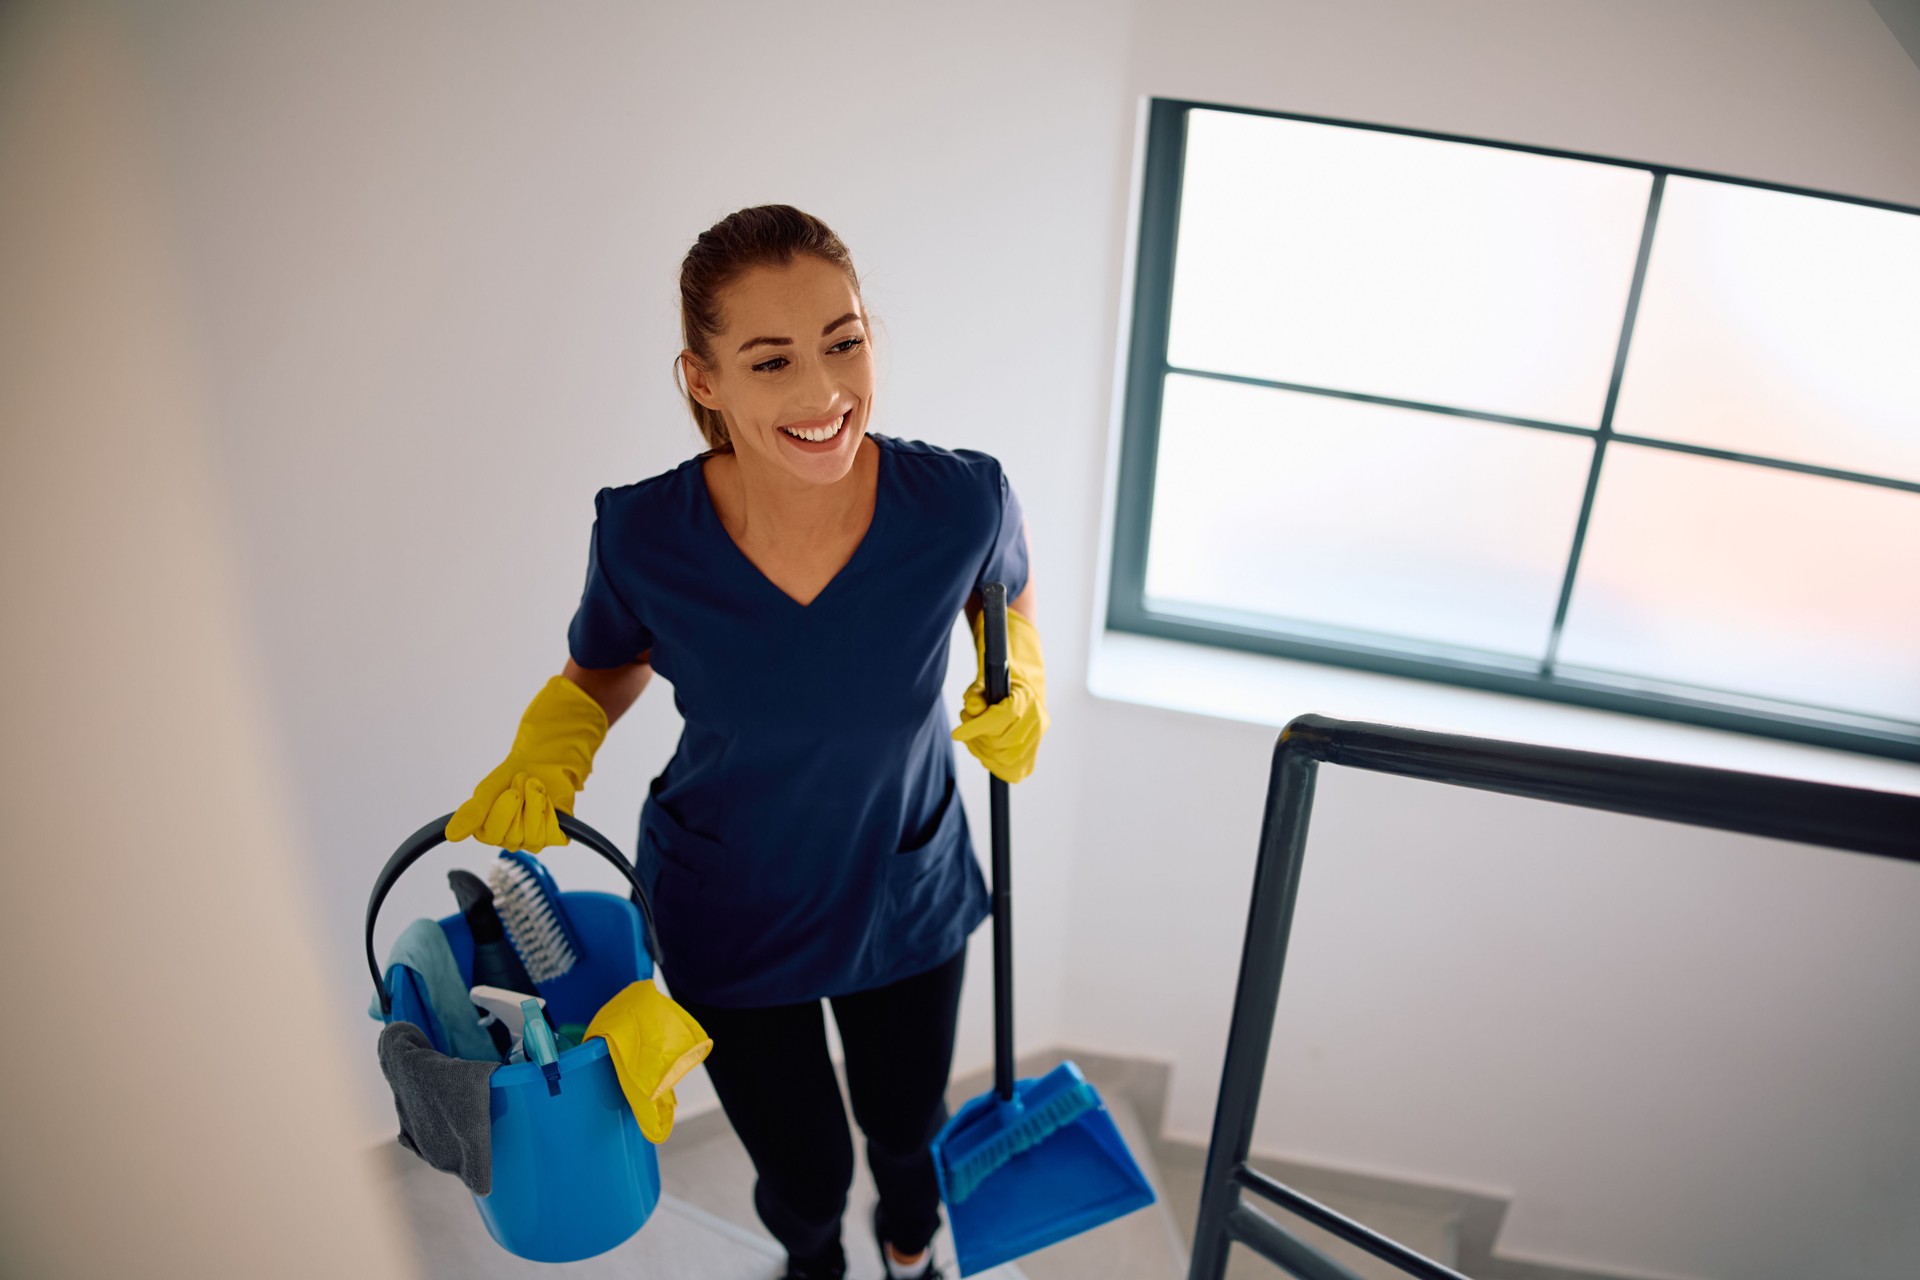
column 714, row 1174
column 1431, row 1231
column 680, row 1240
column 706, row 1228
column 1144, row 1245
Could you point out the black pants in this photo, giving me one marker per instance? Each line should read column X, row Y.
column 776, row 1083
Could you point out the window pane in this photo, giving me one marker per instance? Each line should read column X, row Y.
column 1442, row 272
column 1354, row 515
column 1732, row 576
column 1779, row 325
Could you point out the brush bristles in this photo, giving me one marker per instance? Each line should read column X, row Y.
column 532, row 926
column 966, row 1174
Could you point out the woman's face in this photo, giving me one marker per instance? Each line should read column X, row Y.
column 792, row 372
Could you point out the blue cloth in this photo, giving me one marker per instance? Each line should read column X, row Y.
column 407, row 994
column 805, row 840
column 422, row 947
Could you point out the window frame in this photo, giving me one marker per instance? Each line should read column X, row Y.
column 1163, row 172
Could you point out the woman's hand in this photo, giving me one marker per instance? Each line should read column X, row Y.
column 1005, row 737
column 514, row 806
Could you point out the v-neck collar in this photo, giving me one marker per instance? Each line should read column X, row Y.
column 704, row 496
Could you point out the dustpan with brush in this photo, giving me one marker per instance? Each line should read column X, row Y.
column 1036, row 1160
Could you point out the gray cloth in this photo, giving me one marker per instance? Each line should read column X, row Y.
column 442, row 1104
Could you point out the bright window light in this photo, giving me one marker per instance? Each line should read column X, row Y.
column 1751, row 580
column 1570, row 427
column 1328, row 511
column 1777, row 325
column 1403, row 267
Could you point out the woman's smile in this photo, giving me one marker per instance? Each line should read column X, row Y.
column 820, row 436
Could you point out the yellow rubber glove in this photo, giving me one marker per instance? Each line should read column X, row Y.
column 552, row 755
column 653, row 1042
column 1006, row 736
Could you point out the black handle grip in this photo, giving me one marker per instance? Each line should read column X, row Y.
column 993, row 597
column 435, row 832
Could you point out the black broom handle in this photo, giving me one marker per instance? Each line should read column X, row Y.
column 994, row 602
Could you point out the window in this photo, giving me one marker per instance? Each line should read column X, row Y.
column 1601, row 432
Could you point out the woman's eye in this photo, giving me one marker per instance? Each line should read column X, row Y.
column 768, row 366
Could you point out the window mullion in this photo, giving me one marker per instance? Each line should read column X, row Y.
column 1606, row 420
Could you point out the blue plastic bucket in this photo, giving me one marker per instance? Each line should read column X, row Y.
column 573, row 1176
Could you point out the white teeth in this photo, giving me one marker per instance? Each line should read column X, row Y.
column 817, row 434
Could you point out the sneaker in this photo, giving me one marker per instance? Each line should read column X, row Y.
column 933, row 1271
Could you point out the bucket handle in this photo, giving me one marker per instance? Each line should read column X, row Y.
column 435, row 832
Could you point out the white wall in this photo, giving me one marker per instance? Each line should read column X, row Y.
column 433, row 252
column 1682, row 1053
column 169, row 1105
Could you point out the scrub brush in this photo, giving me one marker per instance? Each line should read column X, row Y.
column 494, row 962
column 537, row 924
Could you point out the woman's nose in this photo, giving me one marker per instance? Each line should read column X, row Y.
column 819, row 390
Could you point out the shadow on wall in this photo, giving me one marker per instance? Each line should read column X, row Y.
column 172, row 1106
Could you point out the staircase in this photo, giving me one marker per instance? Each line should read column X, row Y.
column 705, row 1227
column 705, row 1230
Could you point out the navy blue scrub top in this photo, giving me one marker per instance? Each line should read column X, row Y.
column 805, row 840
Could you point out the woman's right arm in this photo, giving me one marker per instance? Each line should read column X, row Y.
column 552, row 754
column 614, row 688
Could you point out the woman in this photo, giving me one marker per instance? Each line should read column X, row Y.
column 797, row 583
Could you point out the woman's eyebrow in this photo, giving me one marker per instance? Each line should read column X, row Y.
column 787, row 342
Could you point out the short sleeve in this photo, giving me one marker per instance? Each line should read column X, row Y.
column 1006, row 560
column 605, row 631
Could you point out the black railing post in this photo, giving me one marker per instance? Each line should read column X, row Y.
column 1276, row 882
column 1886, row 824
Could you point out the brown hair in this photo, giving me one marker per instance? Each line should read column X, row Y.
column 767, row 235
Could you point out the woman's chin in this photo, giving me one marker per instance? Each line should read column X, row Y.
column 821, row 462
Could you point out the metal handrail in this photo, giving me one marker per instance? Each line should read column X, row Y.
column 1852, row 818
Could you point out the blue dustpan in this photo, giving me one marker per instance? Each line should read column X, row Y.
column 1037, row 1160
column 1080, row 1176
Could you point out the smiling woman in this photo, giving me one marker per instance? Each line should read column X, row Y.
column 795, row 480
column 798, row 583
column 769, row 236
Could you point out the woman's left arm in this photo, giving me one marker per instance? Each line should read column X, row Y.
column 1026, row 603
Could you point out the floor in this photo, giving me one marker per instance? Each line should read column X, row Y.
column 1423, row 1230
column 705, row 1227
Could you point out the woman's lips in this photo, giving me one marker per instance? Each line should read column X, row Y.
column 823, row 445
column 815, row 423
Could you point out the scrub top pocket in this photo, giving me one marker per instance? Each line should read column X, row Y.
column 933, row 896
column 701, row 922
column 682, row 859
column 930, row 831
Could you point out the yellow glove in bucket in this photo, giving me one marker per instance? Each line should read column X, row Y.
column 653, row 1042
column 552, row 755
column 1006, row 736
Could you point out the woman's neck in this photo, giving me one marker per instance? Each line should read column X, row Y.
column 762, row 506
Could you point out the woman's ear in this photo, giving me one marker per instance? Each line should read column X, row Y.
column 699, row 384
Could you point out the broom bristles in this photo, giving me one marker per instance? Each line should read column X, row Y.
column 966, row 1174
